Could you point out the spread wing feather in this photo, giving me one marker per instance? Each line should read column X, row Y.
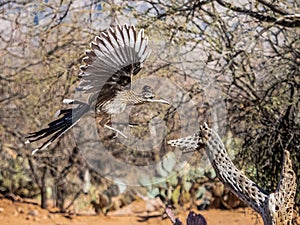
column 113, row 57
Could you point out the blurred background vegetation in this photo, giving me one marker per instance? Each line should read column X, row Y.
column 251, row 49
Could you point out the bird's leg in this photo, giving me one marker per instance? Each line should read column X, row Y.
column 105, row 121
column 116, row 130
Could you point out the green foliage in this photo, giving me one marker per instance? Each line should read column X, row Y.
column 177, row 187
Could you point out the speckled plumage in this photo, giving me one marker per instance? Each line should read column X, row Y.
column 116, row 56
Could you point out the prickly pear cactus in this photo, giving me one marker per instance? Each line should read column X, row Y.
column 178, row 188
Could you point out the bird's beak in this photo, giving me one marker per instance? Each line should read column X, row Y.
column 158, row 101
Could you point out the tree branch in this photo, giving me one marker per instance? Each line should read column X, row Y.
column 286, row 20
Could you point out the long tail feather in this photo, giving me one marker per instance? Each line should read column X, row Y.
column 60, row 126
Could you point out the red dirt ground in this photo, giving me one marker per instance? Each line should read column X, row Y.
column 28, row 214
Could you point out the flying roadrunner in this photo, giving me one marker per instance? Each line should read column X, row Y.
column 116, row 55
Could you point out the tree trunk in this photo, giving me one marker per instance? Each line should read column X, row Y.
column 43, row 189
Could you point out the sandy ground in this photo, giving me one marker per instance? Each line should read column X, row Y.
column 28, row 214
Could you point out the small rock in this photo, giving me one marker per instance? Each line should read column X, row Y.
column 1, row 210
column 33, row 212
column 20, row 210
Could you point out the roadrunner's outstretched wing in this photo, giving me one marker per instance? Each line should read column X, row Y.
column 116, row 55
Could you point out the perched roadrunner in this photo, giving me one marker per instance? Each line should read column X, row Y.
column 275, row 208
column 115, row 56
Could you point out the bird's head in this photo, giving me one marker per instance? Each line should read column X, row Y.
column 148, row 96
